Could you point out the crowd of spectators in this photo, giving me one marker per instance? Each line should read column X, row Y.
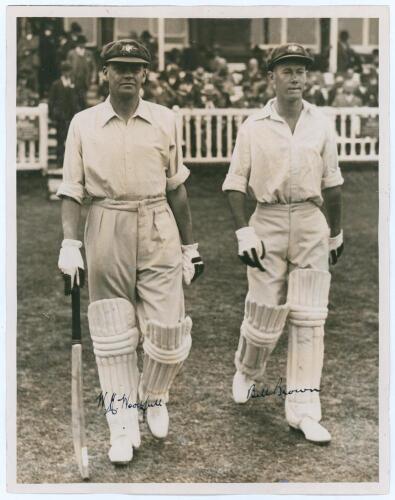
column 196, row 77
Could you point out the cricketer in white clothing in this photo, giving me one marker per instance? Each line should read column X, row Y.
column 285, row 158
column 126, row 155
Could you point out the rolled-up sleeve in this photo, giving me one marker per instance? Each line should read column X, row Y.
column 331, row 173
column 177, row 173
column 240, row 165
column 73, row 170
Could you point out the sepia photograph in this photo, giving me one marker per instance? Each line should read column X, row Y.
column 197, row 249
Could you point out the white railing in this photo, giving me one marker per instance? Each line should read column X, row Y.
column 32, row 153
column 209, row 134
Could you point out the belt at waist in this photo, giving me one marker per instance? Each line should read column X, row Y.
column 129, row 205
column 300, row 205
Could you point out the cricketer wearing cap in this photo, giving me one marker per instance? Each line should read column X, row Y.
column 125, row 154
column 285, row 158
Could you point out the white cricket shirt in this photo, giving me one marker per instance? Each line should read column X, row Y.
column 275, row 166
column 108, row 158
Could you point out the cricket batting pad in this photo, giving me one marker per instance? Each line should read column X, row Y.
column 112, row 324
column 308, row 292
column 259, row 333
column 165, row 348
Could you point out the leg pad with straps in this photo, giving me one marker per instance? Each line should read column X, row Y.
column 259, row 333
column 308, row 292
column 115, row 337
column 166, row 348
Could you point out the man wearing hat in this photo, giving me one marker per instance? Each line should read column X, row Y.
column 125, row 154
column 63, row 104
column 285, row 158
column 83, row 69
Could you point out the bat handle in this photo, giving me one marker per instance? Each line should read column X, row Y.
column 75, row 316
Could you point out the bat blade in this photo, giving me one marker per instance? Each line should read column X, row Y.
column 77, row 412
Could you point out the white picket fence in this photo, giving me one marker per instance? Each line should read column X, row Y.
column 209, row 135
column 33, row 154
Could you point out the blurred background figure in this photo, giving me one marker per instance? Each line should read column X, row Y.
column 346, row 56
column 48, row 70
column 313, row 92
column 83, row 69
column 28, row 59
column 347, row 99
column 63, row 104
column 188, row 93
column 25, row 95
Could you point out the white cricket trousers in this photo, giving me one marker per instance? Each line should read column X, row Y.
column 133, row 251
column 296, row 238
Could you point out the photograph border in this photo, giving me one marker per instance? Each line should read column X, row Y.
column 382, row 12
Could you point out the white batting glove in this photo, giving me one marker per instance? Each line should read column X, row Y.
column 192, row 263
column 251, row 248
column 70, row 260
column 336, row 247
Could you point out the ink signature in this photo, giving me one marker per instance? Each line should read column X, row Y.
column 279, row 390
column 112, row 407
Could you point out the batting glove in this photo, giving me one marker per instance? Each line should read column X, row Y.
column 251, row 248
column 71, row 264
column 336, row 247
column 192, row 263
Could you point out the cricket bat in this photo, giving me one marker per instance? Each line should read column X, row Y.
column 77, row 403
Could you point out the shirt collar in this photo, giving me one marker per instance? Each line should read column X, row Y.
column 269, row 111
column 108, row 112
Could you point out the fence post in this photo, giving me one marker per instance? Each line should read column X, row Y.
column 43, row 144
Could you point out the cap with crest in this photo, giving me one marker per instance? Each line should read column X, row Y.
column 126, row 50
column 291, row 52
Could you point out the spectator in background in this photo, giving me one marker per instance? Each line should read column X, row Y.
column 25, row 95
column 347, row 99
column 48, row 71
column 63, row 104
column 375, row 58
column 252, row 73
column 188, row 93
column 211, row 97
column 335, row 89
column 62, row 50
column 346, row 56
column 73, row 35
column 171, row 76
column 28, row 59
column 362, row 91
column 83, row 69
column 313, row 92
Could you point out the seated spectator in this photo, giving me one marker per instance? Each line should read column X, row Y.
column 200, row 77
column 362, row 91
column 347, row 99
column 188, row 93
column 211, row 97
column 25, row 96
column 313, row 92
column 336, row 89
column 252, row 73
column 171, row 76
column 224, row 84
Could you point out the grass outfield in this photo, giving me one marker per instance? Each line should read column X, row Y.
column 211, row 439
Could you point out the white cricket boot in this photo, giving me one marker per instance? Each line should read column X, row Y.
column 158, row 420
column 242, row 387
column 313, row 431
